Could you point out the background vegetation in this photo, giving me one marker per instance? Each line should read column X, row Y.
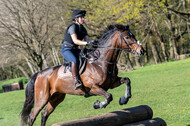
column 31, row 31
column 164, row 87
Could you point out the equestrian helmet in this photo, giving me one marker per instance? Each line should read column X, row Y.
column 78, row 13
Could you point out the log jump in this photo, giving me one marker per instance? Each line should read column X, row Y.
column 12, row 87
column 135, row 116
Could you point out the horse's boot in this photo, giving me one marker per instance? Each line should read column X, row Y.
column 75, row 75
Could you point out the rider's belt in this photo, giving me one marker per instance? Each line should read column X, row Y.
column 67, row 44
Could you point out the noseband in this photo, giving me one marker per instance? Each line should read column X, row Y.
column 128, row 37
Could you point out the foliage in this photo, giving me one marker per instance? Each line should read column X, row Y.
column 104, row 12
column 32, row 31
column 164, row 87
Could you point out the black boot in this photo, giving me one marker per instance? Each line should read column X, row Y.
column 75, row 75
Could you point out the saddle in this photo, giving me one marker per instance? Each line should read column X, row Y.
column 82, row 65
column 82, row 61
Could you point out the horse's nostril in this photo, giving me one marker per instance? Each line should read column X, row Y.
column 142, row 52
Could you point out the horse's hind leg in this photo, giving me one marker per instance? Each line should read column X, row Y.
column 37, row 108
column 41, row 99
column 52, row 104
column 124, row 99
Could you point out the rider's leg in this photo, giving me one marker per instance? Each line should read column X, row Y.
column 72, row 56
column 75, row 75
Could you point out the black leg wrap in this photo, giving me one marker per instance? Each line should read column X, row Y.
column 99, row 104
column 123, row 100
column 96, row 105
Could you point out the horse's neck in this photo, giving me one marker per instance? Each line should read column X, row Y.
column 109, row 53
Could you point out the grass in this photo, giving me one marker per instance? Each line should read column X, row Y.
column 164, row 87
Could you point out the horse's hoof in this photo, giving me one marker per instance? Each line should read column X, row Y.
column 123, row 100
column 96, row 105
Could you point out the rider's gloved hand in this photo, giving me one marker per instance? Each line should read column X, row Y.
column 89, row 43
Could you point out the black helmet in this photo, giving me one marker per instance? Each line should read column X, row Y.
column 78, row 13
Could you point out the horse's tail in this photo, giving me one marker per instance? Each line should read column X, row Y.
column 29, row 102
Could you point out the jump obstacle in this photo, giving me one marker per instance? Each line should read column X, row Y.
column 12, row 87
column 135, row 116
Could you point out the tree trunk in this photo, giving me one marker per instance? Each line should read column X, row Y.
column 129, row 63
column 55, row 57
column 30, row 66
column 23, row 71
column 189, row 6
column 173, row 49
column 53, row 60
column 158, row 36
column 173, row 42
column 124, row 62
column 146, row 58
column 44, row 61
column 137, row 60
column 154, row 51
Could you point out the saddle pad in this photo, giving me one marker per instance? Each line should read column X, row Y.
column 61, row 73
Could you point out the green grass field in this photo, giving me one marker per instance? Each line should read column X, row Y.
column 164, row 87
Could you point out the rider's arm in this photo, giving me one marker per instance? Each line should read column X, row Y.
column 77, row 41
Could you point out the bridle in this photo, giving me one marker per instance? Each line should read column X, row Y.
column 118, row 50
column 127, row 37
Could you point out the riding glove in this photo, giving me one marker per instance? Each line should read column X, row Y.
column 89, row 43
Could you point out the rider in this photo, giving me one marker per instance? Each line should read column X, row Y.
column 74, row 35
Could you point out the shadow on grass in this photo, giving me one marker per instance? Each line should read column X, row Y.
column 1, row 118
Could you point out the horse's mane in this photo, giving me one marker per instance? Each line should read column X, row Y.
column 109, row 32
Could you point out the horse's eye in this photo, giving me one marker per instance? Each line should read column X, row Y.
column 127, row 37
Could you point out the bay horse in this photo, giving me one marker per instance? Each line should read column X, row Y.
column 50, row 86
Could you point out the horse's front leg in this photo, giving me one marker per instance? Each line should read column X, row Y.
column 101, row 92
column 124, row 99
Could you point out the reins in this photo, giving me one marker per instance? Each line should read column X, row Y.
column 117, row 53
column 98, row 46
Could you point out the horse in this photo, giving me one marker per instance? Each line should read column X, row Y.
column 99, row 73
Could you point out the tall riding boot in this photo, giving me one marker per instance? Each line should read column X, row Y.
column 75, row 75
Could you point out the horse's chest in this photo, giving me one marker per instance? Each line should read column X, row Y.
column 107, row 83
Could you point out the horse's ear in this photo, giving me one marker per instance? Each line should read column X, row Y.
column 127, row 27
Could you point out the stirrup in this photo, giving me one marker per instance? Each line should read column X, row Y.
column 78, row 84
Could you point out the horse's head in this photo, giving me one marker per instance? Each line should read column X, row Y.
column 129, row 42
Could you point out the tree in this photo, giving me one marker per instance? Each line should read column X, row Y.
column 28, row 26
column 32, row 31
column 177, row 23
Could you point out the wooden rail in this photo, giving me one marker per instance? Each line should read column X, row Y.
column 135, row 116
